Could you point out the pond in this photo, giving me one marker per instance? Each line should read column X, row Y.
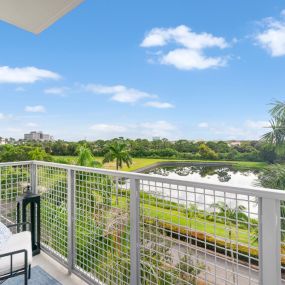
column 208, row 174
column 225, row 175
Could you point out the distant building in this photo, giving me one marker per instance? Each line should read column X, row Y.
column 234, row 143
column 3, row 141
column 37, row 136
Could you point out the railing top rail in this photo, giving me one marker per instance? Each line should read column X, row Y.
column 251, row 191
column 16, row 163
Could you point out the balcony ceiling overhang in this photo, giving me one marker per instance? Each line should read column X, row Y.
column 35, row 15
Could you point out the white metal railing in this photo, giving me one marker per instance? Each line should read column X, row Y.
column 114, row 227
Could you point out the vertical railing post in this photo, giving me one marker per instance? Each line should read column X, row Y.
column 135, row 231
column 33, row 177
column 0, row 193
column 71, row 219
column 269, row 242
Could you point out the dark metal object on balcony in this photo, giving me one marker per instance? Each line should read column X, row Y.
column 34, row 201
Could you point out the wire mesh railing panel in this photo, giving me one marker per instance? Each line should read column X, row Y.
column 182, row 232
column 102, row 227
column 197, row 236
column 52, row 185
column 13, row 180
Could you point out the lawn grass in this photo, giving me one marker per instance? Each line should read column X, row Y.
column 196, row 223
column 143, row 162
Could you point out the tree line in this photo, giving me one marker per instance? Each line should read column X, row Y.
column 143, row 148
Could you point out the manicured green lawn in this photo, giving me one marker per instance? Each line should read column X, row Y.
column 196, row 223
column 176, row 217
column 67, row 159
column 143, row 162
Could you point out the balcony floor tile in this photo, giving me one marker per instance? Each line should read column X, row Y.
column 56, row 270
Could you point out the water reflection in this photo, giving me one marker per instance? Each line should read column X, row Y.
column 208, row 174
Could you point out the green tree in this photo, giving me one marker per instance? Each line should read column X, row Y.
column 15, row 153
column 119, row 151
column 206, row 152
column 185, row 146
column 267, row 152
column 85, row 157
column 166, row 152
column 273, row 177
column 39, row 154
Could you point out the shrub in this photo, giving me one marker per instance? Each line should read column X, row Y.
column 207, row 153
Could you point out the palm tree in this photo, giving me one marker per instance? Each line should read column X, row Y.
column 273, row 176
column 233, row 215
column 118, row 150
column 277, row 124
column 85, row 156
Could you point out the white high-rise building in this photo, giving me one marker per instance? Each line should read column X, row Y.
column 37, row 136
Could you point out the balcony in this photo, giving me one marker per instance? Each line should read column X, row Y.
column 112, row 227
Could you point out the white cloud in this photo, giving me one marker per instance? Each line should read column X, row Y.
column 108, row 128
column 119, row 93
column 187, row 59
column 184, row 36
column 159, row 105
column 35, row 109
column 136, row 130
column 203, row 125
column 189, row 53
column 56, row 90
column 22, row 75
column 103, row 89
column 272, row 38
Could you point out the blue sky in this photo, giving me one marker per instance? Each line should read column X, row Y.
column 193, row 69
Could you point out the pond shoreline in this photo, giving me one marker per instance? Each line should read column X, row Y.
column 181, row 164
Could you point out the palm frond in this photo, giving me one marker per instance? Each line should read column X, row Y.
column 277, row 134
column 85, row 156
column 278, row 109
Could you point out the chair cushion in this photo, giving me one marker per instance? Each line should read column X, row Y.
column 16, row 242
column 5, row 234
